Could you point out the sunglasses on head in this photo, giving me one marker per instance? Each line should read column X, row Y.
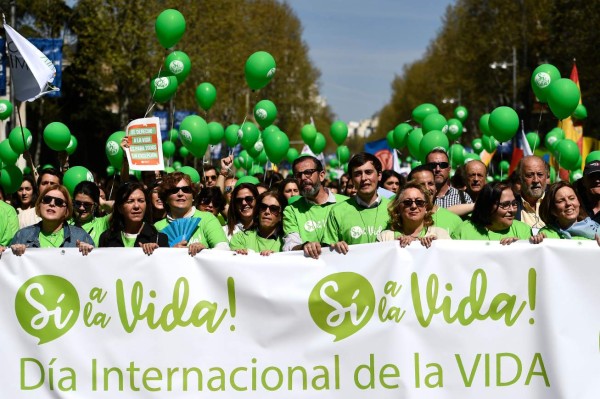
column 87, row 206
column 47, row 200
column 305, row 173
column 442, row 165
column 175, row 190
column 420, row 203
column 274, row 209
column 240, row 200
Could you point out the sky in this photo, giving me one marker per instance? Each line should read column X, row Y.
column 360, row 45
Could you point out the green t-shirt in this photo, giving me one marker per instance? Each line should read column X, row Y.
column 354, row 224
column 308, row 219
column 250, row 239
column 468, row 231
column 128, row 239
column 95, row 227
column 9, row 223
column 52, row 240
column 446, row 220
column 208, row 232
column 551, row 233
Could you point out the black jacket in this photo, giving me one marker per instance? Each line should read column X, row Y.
column 149, row 234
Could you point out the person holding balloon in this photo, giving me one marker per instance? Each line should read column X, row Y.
column 493, row 217
column 55, row 208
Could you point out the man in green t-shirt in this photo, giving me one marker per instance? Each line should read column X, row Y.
column 361, row 218
column 304, row 220
column 9, row 223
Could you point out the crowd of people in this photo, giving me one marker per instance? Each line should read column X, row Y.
column 303, row 211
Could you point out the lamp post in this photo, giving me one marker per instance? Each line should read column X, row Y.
column 505, row 65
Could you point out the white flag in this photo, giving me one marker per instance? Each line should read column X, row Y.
column 32, row 72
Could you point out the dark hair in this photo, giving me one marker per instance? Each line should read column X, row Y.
column 386, row 174
column 362, row 158
column 275, row 194
column 16, row 201
column 207, row 168
column 232, row 214
column 487, row 203
column 548, row 205
column 50, row 171
column 301, row 158
column 271, row 178
column 214, row 194
column 418, row 169
column 458, row 180
column 170, row 181
column 281, row 185
column 117, row 220
column 88, row 188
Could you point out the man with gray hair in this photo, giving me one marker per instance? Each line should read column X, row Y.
column 534, row 173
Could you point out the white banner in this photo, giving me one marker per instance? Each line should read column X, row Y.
column 458, row 320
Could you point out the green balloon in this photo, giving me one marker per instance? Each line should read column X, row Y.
column 268, row 130
column 193, row 133
column 339, row 132
column 292, row 155
column 414, row 142
column 455, row 129
column 11, row 178
column 541, row 79
column 553, row 137
column 433, row 140
column 57, row 136
column 245, row 160
column 420, row 113
column 15, row 138
column 177, row 165
column 470, row 156
column 206, row 95
column 504, row 166
column 7, row 155
column 168, row 149
column 191, row 172
column 256, row 149
column 265, row 113
column 503, row 123
column 484, row 125
column 26, row 170
column 400, row 135
column 162, row 88
column 239, row 174
column 6, row 109
column 247, row 179
column 477, row 145
column 533, row 139
column 563, row 97
column 256, row 170
column 231, row 135
column 457, row 155
column 489, row 143
column 183, row 152
column 216, row 133
column 319, row 144
column 250, row 134
column 575, row 175
column 110, row 170
column 580, row 112
column 113, row 149
column 308, row 134
column 461, row 113
column 277, row 146
column 434, row 122
column 173, row 135
column 168, row 169
column 72, row 145
column 592, row 156
column 552, row 174
column 179, row 65
column 260, row 68
column 343, row 154
column 261, row 158
column 334, row 163
column 169, row 27
column 390, row 139
column 568, row 154
column 415, row 163
column 76, row 175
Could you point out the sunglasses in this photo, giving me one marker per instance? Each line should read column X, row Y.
column 508, row 204
column 274, row 209
column 175, row 190
column 305, row 173
column 59, row 202
column 441, row 165
column 87, row 206
column 240, row 200
column 213, row 178
column 418, row 202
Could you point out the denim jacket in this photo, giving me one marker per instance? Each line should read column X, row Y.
column 30, row 236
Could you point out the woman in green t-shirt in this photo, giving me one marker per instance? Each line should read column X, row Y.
column 267, row 235
column 564, row 217
column 493, row 217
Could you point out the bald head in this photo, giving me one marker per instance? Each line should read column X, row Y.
column 476, row 175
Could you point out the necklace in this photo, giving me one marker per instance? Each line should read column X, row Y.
column 366, row 231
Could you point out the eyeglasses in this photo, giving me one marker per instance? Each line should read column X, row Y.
column 175, row 190
column 418, row 202
column 274, row 209
column 87, row 206
column 305, row 173
column 508, row 204
column 59, row 202
column 240, row 200
column 213, row 178
column 441, row 165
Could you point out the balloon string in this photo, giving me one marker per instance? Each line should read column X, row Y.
column 153, row 103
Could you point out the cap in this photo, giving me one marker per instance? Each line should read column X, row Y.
column 591, row 167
